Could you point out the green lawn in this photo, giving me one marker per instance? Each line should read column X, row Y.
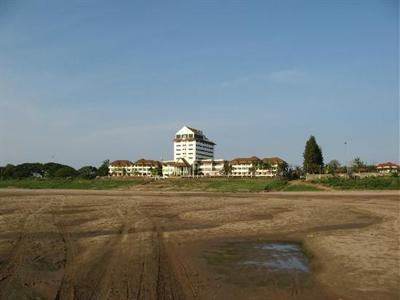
column 369, row 183
column 171, row 184
column 102, row 184
column 301, row 188
column 205, row 184
column 218, row 184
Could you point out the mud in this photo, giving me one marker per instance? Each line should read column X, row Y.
column 139, row 245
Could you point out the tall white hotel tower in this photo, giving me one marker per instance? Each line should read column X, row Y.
column 192, row 145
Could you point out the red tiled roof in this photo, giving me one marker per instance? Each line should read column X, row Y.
column 388, row 165
column 147, row 163
column 121, row 163
column 245, row 160
column 273, row 160
column 180, row 163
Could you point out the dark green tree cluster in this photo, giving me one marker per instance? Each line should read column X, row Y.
column 313, row 159
column 51, row 170
column 103, row 169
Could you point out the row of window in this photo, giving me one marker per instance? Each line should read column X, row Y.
column 205, row 152
column 198, row 145
column 190, row 135
column 202, row 146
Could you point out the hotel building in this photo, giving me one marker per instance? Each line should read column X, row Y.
column 194, row 155
column 192, row 145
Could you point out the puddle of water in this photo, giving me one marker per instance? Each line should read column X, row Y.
column 280, row 256
column 277, row 264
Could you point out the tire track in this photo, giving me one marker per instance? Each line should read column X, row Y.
column 21, row 254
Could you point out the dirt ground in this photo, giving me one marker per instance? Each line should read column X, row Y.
column 146, row 245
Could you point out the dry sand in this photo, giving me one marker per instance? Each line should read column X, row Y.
column 145, row 245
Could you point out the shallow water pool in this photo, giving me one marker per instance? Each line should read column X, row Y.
column 277, row 257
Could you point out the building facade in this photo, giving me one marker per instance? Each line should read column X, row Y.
column 121, row 168
column 147, row 167
column 211, row 167
column 244, row 166
column 192, row 145
column 253, row 166
column 179, row 167
column 269, row 167
column 142, row 167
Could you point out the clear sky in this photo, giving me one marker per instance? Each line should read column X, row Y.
column 82, row 81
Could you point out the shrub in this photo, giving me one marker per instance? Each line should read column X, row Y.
column 275, row 185
column 66, row 172
column 367, row 183
column 87, row 172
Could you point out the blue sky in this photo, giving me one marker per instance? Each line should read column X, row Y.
column 82, row 81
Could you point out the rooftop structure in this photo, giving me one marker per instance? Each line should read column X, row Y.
column 388, row 167
column 192, row 145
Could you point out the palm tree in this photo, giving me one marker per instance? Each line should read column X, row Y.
column 227, row 168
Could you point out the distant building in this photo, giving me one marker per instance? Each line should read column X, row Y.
column 244, row 166
column 253, row 166
column 194, row 155
column 142, row 167
column 387, row 168
column 269, row 167
column 211, row 167
column 121, row 168
column 179, row 167
column 147, row 167
column 192, row 145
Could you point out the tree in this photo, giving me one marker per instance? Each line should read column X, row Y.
column 358, row 165
column 155, row 171
column 227, row 168
column 313, row 159
column 87, row 172
column 8, row 172
column 103, row 169
column 333, row 167
column 50, row 169
column 294, row 173
column 252, row 170
column 26, row 170
column 66, row 172
column 264, row 165
column 283, row 170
